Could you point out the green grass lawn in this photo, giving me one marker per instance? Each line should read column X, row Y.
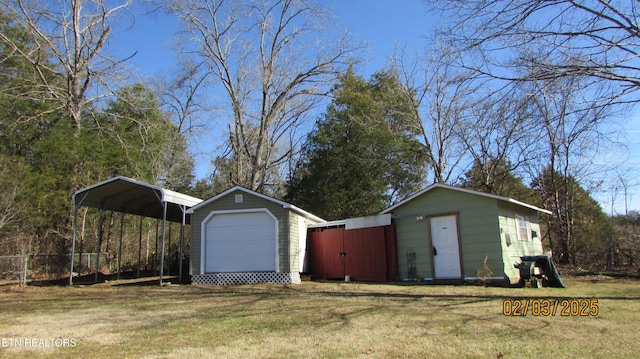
column 316, row 320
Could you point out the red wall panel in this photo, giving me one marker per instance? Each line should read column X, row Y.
column 364, row 254
column 326, row 248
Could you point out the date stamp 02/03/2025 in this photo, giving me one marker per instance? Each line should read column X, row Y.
column 550, row 307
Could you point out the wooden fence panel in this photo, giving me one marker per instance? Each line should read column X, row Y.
column 325, row 248
column 364, row 254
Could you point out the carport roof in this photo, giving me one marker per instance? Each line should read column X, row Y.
column 126, row 195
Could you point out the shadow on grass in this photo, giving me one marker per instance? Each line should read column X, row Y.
column 320, row 289
column 125, row 279
column 618, row 275
column 532, row 293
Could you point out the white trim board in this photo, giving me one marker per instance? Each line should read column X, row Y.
column 357, row 222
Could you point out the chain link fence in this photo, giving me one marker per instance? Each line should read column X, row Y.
column 47, row 264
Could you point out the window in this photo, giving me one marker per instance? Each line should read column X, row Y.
column 522, row 223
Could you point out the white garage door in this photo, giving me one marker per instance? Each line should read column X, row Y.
column 240, row 242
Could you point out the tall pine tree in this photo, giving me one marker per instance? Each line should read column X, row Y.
column 363, row 153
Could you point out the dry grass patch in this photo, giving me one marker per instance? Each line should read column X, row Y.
column 319, row 320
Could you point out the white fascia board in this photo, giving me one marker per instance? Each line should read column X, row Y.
column 357, row 222
column 369, row 221
column 179, row 198
column 336, row 223
column 528, row 206
column 304, row 213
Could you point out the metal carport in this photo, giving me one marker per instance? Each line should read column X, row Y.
column 128, row 196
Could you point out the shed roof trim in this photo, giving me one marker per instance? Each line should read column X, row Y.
column 260, row 195
column 459, row 189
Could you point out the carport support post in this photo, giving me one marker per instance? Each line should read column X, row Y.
column 140, row 246
column 120, row 245
column 155, row 253
column 99, row 243
column 169, row 250
column 184, row 220
column 73, row 238
column 76, row 204
column 164, row 222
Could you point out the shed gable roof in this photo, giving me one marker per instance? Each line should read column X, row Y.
column 464, row 190
column 284, row 205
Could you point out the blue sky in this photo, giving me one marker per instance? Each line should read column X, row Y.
column 383, row 25
column 380, row 24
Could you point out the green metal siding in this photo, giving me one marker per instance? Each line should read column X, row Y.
column 294, row 249
column 513, row 249
column 294, row 243
column 288, row 242
column 412, row 235
column 479, row 231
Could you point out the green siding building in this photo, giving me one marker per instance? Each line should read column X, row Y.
column 451, row 233
column 242, row 237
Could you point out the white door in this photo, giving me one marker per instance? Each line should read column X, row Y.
column 302, row 245
column 446, row 250
column 240, row 242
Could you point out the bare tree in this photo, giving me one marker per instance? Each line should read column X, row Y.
column 272, row 65
column 624, row 249
column 577, row 62
column 441, row 97
column 595, row 39
column 571, row 137
column 499, row 135
column 69, row 40
column 180, row 98
column 10, row 210
column 12, row 213
column 581, row 52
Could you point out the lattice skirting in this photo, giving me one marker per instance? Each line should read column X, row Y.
column 237, row 278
